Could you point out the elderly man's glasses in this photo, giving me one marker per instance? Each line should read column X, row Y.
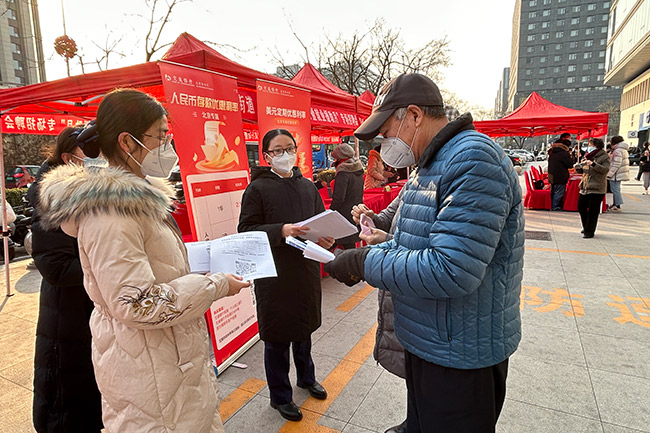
column 291, row 150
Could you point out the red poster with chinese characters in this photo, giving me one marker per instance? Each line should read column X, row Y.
column 41, row 124
column 204, row 110
column 286, row 107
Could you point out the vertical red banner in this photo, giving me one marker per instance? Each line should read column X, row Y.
column 286, row 107
column 205, row 113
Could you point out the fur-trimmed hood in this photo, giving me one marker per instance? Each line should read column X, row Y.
column 69, row 193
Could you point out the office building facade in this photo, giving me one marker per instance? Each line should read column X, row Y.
column 558, row 50
column 628, row 65
column 21, row 47
column 501, row 101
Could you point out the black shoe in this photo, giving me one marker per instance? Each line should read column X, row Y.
column 316, row 390
column 288, row 411
column 582, row 231
column 398, row 428
column 587, row 236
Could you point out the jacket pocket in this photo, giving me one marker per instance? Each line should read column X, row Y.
column 443, row 320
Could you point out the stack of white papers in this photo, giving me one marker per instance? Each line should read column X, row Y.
column 245, row 254
column 311, row 250
column 328, row 223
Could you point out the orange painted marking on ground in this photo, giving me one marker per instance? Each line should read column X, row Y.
column 593, row 253
column 238, row 398
column 354, row 300
column 334, row 383
column 631, row 197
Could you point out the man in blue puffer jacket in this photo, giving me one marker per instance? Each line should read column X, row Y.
column 454, row 267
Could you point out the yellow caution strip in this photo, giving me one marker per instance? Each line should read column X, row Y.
column 239, row 397
column 355, row 299
column 334, row 383
column 593, row 253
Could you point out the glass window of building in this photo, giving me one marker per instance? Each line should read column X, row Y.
column 17, row 65
column 559, row 23
column 576, row 9
column 590, row 31
column 586, row 67
column 546, row 13
column 556, row 80
column 599, row 78
column 542, row 71
column 605, row 17
column 573, row 44
column 589, row 43
column 532, row 14
column 559, row 35
column 13, row 31
column 606, row 5
column 571, row 68
column 541, row 82
column 15, row 48
column 588, row 55
column 532, row 3
column 603, row 30
column 601, row 54
column 575, row 21
column 601, row 66
column 530, row 50
column 545, row 24
column 532, row 26
column 574, row 33
column 531, row 38
column 10, row 14
column 561, row 11
column 557, row 58
column 543, row 48
column 529, row 72
column 591, row 7
column 528, row 83
column 558, row 46
column 573, row 56
column 547, row 2
column 586, row 78
column 571, row 80
column 591, row 19
column 543, row 59
column 20, row 80
column 545, row 36
column 529, row 60
column 557, row 70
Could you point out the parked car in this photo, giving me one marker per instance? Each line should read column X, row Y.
column 635, row 155
column 516, row 160
column 525, row 155
column 20, row 176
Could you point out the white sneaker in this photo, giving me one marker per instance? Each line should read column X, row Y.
column 616, row 208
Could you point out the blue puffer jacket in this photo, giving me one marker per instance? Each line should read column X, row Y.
column 454, row 268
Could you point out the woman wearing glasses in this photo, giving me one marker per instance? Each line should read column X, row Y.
column 289, row 306
column 149, row 340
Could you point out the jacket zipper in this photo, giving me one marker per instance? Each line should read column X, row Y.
column 58, row 404
column 380, row 323
column 448, row 321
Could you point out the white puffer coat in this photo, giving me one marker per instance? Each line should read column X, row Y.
column 149, row 338
column 619, row 168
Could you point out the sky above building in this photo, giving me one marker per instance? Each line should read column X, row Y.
column 479, row 32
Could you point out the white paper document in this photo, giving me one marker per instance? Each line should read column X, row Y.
column 327, row 223
column 311, row 250
column 245, row 254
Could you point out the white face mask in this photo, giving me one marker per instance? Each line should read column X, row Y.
column 395, row 152
column 590, row 149
column 283, row 163
column 158, row 162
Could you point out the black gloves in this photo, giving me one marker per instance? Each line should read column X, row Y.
column 347, row 267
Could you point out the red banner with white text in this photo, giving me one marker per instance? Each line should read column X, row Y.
column 286, row 107
column 204, row 109
column 41, row 124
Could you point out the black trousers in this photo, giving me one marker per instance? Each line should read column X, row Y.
column 589, row 209
column 276, row 364
column 450, row 400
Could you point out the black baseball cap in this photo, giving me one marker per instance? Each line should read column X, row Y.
column 401, row 91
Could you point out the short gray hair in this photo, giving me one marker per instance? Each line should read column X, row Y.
column 435, row 111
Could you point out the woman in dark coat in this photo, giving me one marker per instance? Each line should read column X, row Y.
column 288, row 306
column 348, row 187
column 66, row 398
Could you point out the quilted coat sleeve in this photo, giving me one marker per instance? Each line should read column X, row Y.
column 473, row 204
column 121, row 270
column 615, row 164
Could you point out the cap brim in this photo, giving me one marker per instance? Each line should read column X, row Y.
column 369, row 129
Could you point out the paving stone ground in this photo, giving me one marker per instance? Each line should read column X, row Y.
column 583, row 364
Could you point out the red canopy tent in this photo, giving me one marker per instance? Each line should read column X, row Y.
column 538, row 116
column 368, row 97
column 80, row 95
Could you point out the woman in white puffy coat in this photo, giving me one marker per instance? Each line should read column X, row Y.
column 150, row 344
column 619, row 170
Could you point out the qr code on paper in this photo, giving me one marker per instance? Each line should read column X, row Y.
column 244, row 268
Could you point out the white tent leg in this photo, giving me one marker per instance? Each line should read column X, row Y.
column 5, row 238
